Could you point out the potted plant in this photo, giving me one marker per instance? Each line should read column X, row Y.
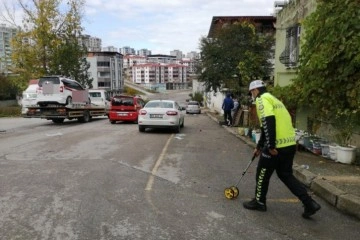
column 344, row 124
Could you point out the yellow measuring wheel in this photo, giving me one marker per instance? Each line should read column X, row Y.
column 229, row 193
column 233, row 191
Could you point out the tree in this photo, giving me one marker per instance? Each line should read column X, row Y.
column 32, row 46
column 47, row 41
column 76, row 66
column 329, row 77
column 7, row 88
column 237, row 55
column 197, row 96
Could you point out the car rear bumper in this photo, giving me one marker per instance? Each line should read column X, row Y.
column 193, row 110
column 123, row 116
column 53, row 98
column 157, row 124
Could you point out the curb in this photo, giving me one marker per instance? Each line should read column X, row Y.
column 345, row 202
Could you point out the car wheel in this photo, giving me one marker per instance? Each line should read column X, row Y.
column 112, row 122
column 182, row 124
column 177, row 128
column 58, row 120
column 141, row 129
column 85, row 118
column 68, row 100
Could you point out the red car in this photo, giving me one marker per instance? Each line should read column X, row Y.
column 125, row 108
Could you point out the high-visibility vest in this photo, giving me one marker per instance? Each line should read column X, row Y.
column 268, row 105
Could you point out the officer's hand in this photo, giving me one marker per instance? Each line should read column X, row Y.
column 273, row 152
column 257, row 152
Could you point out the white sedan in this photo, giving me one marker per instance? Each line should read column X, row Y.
column 161, row 114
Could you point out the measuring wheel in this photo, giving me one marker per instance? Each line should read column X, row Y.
column 235, row 190
column 229, row 193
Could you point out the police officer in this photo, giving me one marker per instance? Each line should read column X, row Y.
column 276, row 148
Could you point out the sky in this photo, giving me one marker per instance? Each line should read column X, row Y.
column 162, row 25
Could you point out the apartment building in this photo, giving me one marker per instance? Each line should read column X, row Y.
column 109, row 49
column 127, row 51
column 131, row 60
column 177, row 53
column 143, row 52
column 190, row 63
column 93, row 44
column 155, row 73
column 106, row 70
column 6, row 34
column 161, row 58
column 193, row 55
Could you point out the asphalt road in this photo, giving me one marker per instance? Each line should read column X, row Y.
column 103, row 181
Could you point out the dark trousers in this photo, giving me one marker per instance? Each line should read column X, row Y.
column 282, row 163
column 227, row 115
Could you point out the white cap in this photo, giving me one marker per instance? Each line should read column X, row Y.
column 256, row 84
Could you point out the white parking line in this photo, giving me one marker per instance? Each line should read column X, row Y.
column 150, row 181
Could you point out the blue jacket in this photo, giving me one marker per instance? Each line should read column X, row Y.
column 228, row 103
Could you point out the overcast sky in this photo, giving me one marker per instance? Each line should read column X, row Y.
column 161, row 25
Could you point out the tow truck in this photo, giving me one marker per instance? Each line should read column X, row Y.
column 80, row 108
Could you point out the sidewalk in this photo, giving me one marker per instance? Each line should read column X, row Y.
column 336, row 183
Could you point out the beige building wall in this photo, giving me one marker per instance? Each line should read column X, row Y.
column 289, row 34
column 291, row 16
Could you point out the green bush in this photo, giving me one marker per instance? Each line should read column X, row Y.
column 11, row 111
column 131, row 91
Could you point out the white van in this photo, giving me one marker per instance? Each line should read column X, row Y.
column 29, row 96
column 100, row 98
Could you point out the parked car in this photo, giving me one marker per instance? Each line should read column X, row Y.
column 125, row 108
column 193, row 107
column 161, row 114
column 100, row 98
column 56, row 90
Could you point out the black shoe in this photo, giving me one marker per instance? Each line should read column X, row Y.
column 310, row 209
column 255, row 205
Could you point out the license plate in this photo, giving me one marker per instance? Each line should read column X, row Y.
column 122, row 114
column 156, row 115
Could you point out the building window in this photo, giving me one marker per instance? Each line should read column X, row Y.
column 290, row 56
column 103, row 64
column 103, row 84
column 103, row 74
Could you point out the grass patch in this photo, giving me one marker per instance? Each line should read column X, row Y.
column 131, row 91
column 10, row 111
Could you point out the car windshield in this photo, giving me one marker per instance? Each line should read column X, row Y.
column 54, row 80
column 72, row 84
column 122, row 101
column 193, row 103
column 159, row 105
column 95, row 94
